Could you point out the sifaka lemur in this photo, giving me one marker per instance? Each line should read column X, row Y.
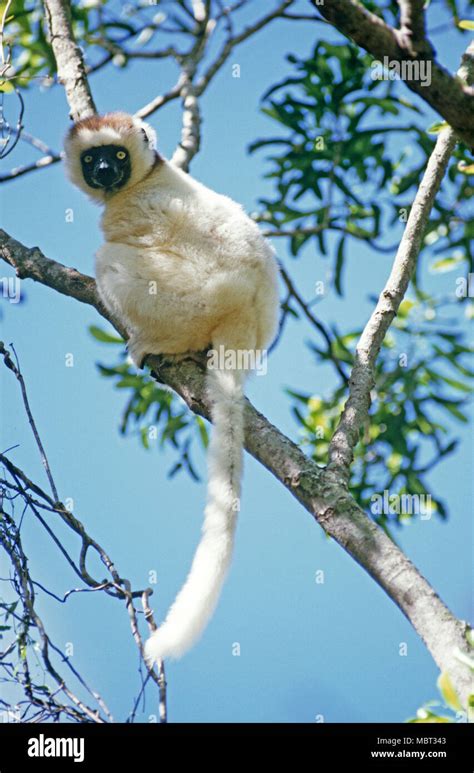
column 185, row 269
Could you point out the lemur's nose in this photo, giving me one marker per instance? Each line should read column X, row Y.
column 105, row 173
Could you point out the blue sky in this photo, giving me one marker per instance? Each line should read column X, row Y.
column 306, row 649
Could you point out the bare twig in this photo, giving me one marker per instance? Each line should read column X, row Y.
column 161, row 100
column 15, row 368
column 285, row 305
column 191, row 91
column 314, row 321
column 113, row 588
column 72, row 72
column 232, row 42
column 19, row 171
column 7, row 145
column 11, row 543
column 24, row 583
column 121, row 587
column 314, row 230
column 35, row 142
column 49, row 158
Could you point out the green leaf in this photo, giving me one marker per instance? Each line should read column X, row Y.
column 437, row 127
column 106, row 338
column 339, row 265
column 448, row 692
column 6, row 87
column 446, row 264
column 405, row 308
column 298, row 396
column 176, row 468
column 466, row 168
column 455, row 384
column 451, row 406
column 297, row 241
column 203, row 433
column 144, row 437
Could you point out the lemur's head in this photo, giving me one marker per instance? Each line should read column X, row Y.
column 106, row 154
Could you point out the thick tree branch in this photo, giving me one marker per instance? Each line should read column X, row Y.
column 69, row 59
column 319, row 491
column 31, row 263
column 446, row 93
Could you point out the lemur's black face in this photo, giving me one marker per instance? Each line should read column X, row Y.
column 107, row 167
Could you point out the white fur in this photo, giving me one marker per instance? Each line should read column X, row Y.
column 198, row 598
column 184, row 268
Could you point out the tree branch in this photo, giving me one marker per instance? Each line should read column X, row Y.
column 119, row 587
column 446, row 94
column 233, row 41
column 190, row 92
column 412, row 25
column 320, row 491
column 69, row 59
column 323, row 492
column 72, row 73
column 19, row 171
column 162, row 99
column 191, row 126
column 15, row 368
column 293, row 293
column 362, row 377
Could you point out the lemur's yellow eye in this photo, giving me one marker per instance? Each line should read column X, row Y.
column 121, row 154
column 87, row 159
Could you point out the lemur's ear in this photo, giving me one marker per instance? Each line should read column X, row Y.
column 148, row 133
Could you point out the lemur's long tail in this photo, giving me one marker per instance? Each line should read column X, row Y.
column 197, row 599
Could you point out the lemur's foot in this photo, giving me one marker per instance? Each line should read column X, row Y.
column 137, row 352
column 198, row 357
